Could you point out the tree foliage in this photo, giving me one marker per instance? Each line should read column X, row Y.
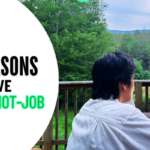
column 139, row 70
column 146, row 75
column 136, row 45
column 78, row 32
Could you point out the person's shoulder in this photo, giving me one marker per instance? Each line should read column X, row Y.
column 107, row 106
column 138, row 115
column 111, row 110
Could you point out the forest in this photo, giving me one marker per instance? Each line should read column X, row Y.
column 78, row 32
column 79, row 35
column 136, row 45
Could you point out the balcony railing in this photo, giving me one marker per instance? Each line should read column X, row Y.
column 48, row 143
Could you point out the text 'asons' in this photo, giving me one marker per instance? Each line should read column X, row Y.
column 18, row 66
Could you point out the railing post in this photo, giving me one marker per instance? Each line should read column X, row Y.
column 48, row 135
column 146, row 98
column 75, row 102
column 57, row 119
column 66, row 115
column 41, row 145
column 84, row 95
column 138, row 95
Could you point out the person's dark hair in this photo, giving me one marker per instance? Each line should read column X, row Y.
column 108, row 71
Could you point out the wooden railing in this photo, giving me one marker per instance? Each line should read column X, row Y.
column 48, row 142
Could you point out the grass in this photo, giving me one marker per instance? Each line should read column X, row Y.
column 61, row 125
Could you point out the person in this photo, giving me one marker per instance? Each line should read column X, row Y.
column 110, row 120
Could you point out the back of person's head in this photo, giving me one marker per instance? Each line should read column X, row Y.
column 108, row 71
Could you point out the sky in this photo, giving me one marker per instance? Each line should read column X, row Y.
column 128, row 15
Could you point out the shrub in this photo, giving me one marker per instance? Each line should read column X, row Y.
column 136, row 76
column 146, row 75
column 139, row 70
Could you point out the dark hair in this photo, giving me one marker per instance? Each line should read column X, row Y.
column 108, row 71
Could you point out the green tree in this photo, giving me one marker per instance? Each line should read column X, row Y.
column 137, row 32
column 146, row 75
column 148, row 56
column 139, row 70
column 137, row 45
column 126, row 43
column 78, row 32
column 137, row 76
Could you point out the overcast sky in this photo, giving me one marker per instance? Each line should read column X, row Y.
column 128, row 14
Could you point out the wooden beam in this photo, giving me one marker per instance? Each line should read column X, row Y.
column 138, row 95
column 59, row 142
column 48, row 137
